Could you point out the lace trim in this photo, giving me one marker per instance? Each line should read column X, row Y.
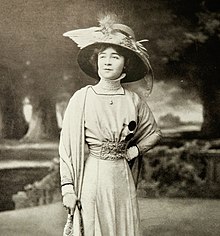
column 108, row 87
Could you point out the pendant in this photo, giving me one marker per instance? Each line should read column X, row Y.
column 111, row 102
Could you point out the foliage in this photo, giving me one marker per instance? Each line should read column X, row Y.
column 196, row 58
column 169, row 120
column 46, row 62
column 176, row 171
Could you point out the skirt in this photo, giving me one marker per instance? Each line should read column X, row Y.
column 108, row 198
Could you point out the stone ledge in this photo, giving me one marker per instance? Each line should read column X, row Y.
column 15, row 164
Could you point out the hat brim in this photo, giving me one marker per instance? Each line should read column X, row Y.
column 136, row 70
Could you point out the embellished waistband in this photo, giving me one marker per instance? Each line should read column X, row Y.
column 111, row 150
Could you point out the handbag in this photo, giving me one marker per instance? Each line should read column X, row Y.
column 74, row 223
column 68, row 228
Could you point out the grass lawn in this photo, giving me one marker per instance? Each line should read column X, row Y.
column 159, row 217
column 180, row 217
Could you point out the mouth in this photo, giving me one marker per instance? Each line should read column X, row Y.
column 107, row 69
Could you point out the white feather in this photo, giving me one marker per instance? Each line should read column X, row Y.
column 84, row 37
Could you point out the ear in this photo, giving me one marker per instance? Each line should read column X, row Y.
column 123, row 75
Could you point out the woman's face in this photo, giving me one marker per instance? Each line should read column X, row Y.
column 110, row 64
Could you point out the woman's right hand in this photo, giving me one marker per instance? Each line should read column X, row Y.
column 69, row 201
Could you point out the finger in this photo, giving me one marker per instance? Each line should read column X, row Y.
column 74, row 207
column 79, row 204
column 71, row 210
column 66, row 208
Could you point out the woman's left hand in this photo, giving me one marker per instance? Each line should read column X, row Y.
column 132, row 152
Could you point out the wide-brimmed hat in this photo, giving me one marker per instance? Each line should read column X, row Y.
column 111, row 33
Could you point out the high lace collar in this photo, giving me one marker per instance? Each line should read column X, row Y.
column 106, row 86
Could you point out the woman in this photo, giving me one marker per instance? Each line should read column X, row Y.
column 117, row 126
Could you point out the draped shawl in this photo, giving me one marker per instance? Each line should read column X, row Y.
column 72, row 147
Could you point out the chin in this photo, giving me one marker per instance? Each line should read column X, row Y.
column 111, row 77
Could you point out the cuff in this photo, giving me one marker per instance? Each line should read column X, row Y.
column 67, row 188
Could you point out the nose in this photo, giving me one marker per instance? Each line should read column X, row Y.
column 108, row 61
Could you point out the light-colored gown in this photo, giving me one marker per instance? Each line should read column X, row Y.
column 108, row 198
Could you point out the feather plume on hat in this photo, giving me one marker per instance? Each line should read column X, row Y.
column 107, row 21
column 84, row 37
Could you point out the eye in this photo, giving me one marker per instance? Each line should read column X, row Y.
column 115, row 57
column 101, row 55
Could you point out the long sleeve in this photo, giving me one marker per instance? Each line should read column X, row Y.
column 72, row 144
column 148, row 132
column 146, row 136
column 66, row 171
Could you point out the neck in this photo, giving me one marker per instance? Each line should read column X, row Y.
column 109, row 85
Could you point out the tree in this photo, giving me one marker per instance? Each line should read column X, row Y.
column 32, row 38
column 12, row 122
column 33, row 45
column 198, row 59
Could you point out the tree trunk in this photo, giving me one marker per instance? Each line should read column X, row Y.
column 12, row 121
column 211, row 113
column 43, row 124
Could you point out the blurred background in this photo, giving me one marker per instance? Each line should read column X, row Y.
column 39, row 73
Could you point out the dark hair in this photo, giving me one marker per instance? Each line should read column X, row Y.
column 100, row 48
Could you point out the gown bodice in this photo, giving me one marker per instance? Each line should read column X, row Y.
column 107, row 119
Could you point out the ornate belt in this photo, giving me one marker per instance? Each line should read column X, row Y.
column 113, row 150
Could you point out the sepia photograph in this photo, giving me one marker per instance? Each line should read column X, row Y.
column 109, row 118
